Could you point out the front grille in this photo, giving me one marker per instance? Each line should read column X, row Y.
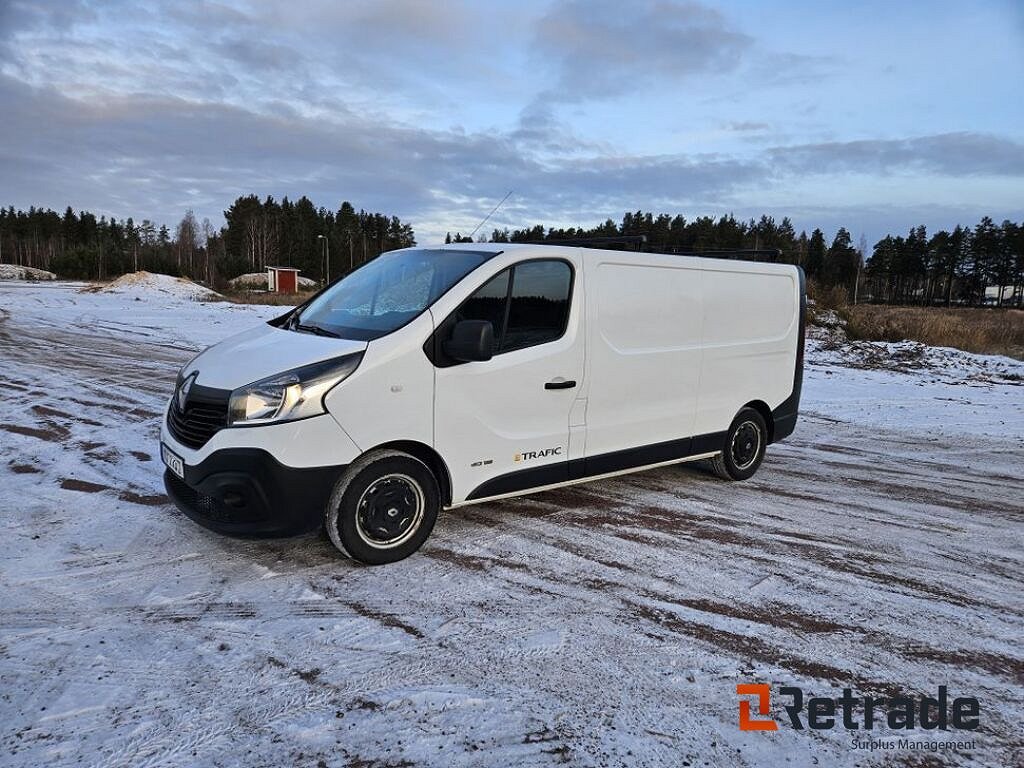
column 200, row 421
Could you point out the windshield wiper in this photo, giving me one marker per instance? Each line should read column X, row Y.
column 316, row 329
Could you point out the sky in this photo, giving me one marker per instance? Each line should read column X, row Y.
column 876, row 116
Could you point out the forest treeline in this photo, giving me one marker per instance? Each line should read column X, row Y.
column 257, row 234
column 945, row 267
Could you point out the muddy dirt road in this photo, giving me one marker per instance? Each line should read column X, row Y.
column 605, row 624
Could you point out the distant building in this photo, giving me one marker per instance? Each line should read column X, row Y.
column 1010, row 294
column 282, row 279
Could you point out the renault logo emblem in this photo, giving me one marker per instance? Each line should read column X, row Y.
column 183, row 390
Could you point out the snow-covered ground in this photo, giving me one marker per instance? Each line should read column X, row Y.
column 880, row 548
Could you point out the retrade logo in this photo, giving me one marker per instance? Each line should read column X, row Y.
column 763, row 707
column 858, row 712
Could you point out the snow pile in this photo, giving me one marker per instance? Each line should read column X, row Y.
column 907, row 385
column 147, row 285
column 15, row 272
column 826, row 326
column 911, row 357
column 828, row 344
column 257, row 281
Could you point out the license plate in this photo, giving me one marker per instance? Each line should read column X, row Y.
column 173, row 461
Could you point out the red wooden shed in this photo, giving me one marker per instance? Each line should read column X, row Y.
column 282, row 279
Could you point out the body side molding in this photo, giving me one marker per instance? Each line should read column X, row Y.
column 603, row 464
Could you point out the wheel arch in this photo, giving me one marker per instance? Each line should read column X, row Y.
column 428, row 456
column 766, row 413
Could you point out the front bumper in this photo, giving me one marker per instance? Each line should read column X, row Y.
column 271, row 480
column 247, row 492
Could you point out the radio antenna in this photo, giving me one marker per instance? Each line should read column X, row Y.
column 493, row 210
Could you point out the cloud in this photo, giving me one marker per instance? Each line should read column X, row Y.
column 540, row 130
column 414, row 22
column 584, row 109
column 378, row 52
column 259, row 54
column 950, row 154
column 602, row 49
column 658, row 180
column 155, row 156
column 57, row 15
column 747, row 126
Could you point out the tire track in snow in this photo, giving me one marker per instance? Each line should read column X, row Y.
column 600, row 624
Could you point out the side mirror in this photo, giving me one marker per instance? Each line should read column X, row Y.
column 471, row 341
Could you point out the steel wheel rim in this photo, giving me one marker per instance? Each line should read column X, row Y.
column 746, row 444
column 389, row 511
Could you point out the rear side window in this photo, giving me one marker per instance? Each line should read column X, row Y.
column 528, row 304
column 539, row 304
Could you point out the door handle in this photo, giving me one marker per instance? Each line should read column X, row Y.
column 560, row 384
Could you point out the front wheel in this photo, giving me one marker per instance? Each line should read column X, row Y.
column 744, row 447
column 383, row 508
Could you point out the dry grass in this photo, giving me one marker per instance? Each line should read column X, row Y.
column 833, row 297
column 261, row 297
column 984, row 331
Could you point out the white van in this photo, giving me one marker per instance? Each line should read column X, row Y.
column 432, row 378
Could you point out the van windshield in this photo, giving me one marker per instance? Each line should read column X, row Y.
column 386, row 293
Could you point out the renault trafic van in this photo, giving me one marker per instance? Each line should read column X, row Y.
column 431, row 378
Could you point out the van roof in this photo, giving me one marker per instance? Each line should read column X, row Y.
column 697, row 260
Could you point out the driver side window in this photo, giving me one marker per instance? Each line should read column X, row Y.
column 527, row 304
column 488, row 303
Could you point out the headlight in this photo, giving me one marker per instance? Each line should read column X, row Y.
column 291, row 395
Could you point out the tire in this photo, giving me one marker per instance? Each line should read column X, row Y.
column 399, row 499
column 744, row 447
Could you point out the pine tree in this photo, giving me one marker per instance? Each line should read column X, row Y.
column 985, row 246
column 815, row 254
column 841, row 261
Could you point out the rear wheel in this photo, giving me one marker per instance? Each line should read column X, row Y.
column 383, row 508
column 744, row 447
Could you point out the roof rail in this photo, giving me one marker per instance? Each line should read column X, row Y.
column 747, row 254
column 594, row 242
column 640, row 243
